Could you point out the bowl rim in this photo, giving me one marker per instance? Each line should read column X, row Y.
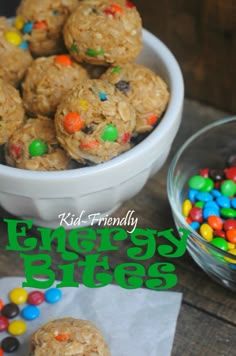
column 174, row 107
column 170, row 186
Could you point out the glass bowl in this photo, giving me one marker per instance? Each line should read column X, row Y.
column 208, row 148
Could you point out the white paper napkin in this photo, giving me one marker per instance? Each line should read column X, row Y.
column 138, row 322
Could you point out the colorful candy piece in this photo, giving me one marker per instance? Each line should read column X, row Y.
column 208, row 186
column 13, row 37
column 38, row 148
column 125, row 138
column 73, row 122
column 19, row 23
column 74, row 48
column 228, row 213
column 10, row 344
column 204, row 172
column 30, row 312
column 1, row 351
column 18, row 295
column 229, row 224
column 24, row 45
column 221, row 244
column 116, row 70
column 62, row 337
column 10, row 310
column 130, row 4
column 1, row 304
column 196, row 182
column 110, row 133
column 102, row 97
column 215, row 222
column 28, row 27
column 89, row 144
column 230, row 174
column 196, row 214
column 3, row 323
column 53, row 295
column 206, row 232
column 40, row 25
column 17, row 327
column 94, row 52
column 231, row 235
column 63, row 60
column 36, row 297
column 223, row 202
column 228, row 188
column 152, row 119
column 186, row 207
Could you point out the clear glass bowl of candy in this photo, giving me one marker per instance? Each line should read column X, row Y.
column 201, row 186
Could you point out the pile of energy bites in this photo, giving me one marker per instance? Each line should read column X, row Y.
column 70, row 92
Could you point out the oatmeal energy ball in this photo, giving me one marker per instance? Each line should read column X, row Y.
column 47, row 80
column 34, row 147
column 95, row 122
column 68, row 336
column 14, row 53
column 41, row 21
column 145, row 90
column 11, row 111
column 104, row 32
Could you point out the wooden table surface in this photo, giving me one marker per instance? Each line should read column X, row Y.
column 207, row 320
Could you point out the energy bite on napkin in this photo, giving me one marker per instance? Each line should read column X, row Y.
column 68, row 336
column 12, row 113
column 145, row 90
column 14, row 53
column 42, row 21
column 104, row 32
column 46, row 82
column 94, row 122
column 34, row 147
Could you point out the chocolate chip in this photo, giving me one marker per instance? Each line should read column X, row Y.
column 10, row 344
column 123, row 86
column 88, row 130
column 94, row 10
column 216, row 174
column 10, row 310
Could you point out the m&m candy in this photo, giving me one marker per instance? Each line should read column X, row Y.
column 53, row 295
column 17, row 327
column 36, row 297
column 210, row 208
column 18, row 295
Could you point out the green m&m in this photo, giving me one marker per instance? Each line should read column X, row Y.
column 196, row 182
column 110, row 133
column 37, row 148
column 228, row 188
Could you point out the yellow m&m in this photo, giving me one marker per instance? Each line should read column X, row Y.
column 13, row 37
column 19, row 23
column 18, row 295
column 17, row 327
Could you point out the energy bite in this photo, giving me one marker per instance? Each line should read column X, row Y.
column 12, row 113
column 14, row 53
column 95, row 122
column 68, row 336
column 42, row 21
column 104, row 32
column 145, row 90
column 34, row 147
column 47, row 80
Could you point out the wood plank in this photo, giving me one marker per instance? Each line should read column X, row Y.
column 200, row 334
column 202, row 36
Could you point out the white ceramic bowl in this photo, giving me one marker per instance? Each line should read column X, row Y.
column 43, row 196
